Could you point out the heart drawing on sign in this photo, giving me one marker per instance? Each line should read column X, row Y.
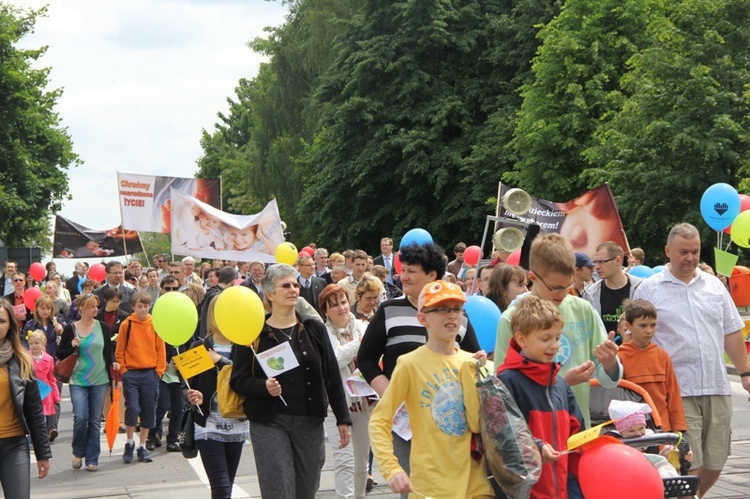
column 276, row 363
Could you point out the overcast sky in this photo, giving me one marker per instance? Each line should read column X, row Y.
column 141, row 79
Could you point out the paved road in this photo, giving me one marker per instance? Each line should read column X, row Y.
column 172, row 476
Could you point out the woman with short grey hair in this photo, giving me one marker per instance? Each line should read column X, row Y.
column 287, row 409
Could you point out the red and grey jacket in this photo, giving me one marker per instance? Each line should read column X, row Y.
column 551, row 411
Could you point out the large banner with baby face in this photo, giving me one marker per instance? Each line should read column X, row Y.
column 73, row 240
column 199, row 229
column 144, row 199
column 586, row 221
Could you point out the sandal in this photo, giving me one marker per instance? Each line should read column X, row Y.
column 77, row 463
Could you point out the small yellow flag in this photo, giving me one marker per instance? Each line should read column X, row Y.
column 586, row 436
column 193, row 362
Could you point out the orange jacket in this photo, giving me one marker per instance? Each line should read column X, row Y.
column 651, row 368
column 139, row 347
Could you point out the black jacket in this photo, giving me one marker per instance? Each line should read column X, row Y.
column 28, row 404
column 66, row 347
column 315, row 354
column 205, row 382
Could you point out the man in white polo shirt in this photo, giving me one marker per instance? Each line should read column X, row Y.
column 696, row 322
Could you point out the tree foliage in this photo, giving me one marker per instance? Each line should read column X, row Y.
column 374, row 117
column 35, row 150
column 272, row 116
column 408, row 102
column 685, row 123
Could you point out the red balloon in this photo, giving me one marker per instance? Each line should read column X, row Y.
column 609, row 472
column 744, row 205
column 308, row 250
column 514, row 258
column 37, row 271
column 30, row 296
column 397, row 262
column 473, row 254
column 98, row 272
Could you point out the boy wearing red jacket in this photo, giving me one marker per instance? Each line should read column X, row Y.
column 546, row 401
column 143, row 360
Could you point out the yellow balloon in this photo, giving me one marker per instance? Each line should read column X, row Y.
column 741, row 229
column 175, row 317
column 286, row 253
column 239, row 314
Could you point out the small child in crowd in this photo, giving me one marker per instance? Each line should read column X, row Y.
column 630, row 422
column 437, row 384
column 142, row 358
column 545, row 399
column 44, row 366
column 649, row 366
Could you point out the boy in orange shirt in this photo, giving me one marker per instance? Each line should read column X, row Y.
column 650, row 367
column 143, row 360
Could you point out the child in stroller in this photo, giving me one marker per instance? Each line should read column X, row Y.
column 676, row 486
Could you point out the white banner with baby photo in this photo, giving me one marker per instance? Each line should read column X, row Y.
column 144, row 199
column 199, row 229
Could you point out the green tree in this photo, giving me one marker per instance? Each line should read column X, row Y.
column 577, row 84
column 35, row 150
column 406, row 103
column 685, row 124
column 272, row 116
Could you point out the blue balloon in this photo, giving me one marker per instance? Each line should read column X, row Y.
column 720, row 205
column 642, row 271
column 416, row 236
column 484, row 316
column 658, row 269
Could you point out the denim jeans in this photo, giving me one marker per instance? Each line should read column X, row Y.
column 220, row 460
column 88, row 402
column 15, row 467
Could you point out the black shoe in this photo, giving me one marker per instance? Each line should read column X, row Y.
column 173, row 448
column 370, row 483
column 157, row 441
column 149, row 444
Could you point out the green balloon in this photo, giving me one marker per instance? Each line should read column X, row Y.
column 741, row 229
column 175, row 317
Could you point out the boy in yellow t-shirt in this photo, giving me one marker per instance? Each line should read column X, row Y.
column 436, row 383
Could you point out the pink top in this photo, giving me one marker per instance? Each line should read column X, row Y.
column 44, row 372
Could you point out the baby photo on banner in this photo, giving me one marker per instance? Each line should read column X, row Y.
column 145, row 199
column 199, row 229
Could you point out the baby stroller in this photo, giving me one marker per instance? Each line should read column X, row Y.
column 599, row 399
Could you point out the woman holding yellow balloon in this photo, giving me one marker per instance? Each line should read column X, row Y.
column 287, row 409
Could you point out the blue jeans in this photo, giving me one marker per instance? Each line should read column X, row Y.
column 15, row 467
column 220, row 460
column 88, row 402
